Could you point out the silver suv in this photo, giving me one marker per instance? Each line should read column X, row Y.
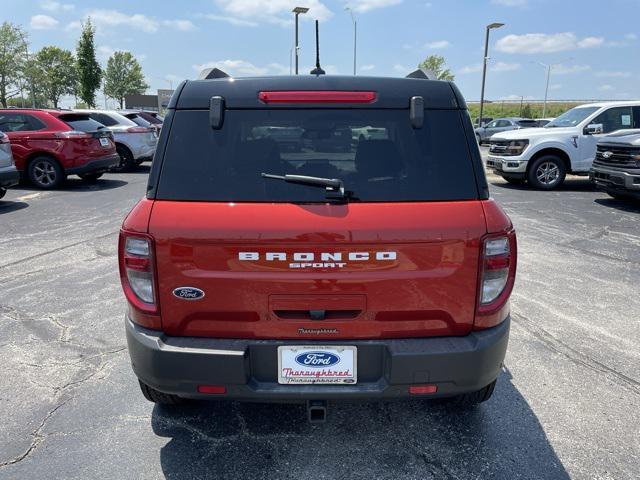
column 9, row 176
column 134, row 143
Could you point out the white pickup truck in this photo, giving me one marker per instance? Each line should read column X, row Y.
column 543, row 156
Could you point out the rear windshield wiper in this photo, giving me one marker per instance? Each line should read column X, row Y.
column 334, row 186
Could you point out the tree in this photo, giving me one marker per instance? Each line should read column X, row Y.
column 89, row 71
column 56, row 70
column 123, row 77
column 527, row 112
column 437, row 65
column 13, row 54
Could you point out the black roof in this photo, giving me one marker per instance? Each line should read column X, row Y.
column 391, row 92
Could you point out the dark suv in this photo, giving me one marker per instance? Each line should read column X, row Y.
column 616, row 168
column 372, row 269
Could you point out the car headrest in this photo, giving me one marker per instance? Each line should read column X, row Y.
column 378, row 159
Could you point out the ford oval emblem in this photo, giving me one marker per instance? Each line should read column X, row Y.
column 317, row 359
column 188, row 293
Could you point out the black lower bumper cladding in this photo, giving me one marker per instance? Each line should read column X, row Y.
column 248, row 368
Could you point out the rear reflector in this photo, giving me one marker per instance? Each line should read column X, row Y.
column 322, row 96
column 422, row 389
column 138, row 130
column 212, row 389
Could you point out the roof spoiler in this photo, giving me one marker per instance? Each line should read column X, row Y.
column 422, row 74
column 211, row 73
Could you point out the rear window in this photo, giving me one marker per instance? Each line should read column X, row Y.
column 376, row 153
column 82, row 123
column 138, row 120
column 103, row 119
column 527, row 123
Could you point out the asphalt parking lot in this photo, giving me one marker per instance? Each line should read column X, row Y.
column 566, row 404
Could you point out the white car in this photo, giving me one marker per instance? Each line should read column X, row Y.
column 134, row 143
column 543, row 156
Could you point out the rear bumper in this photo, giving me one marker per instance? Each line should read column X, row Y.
column 9, row 177
column 95, row 166
column 248, row 368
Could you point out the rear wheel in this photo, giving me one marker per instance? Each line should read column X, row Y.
column 160, row 398
column 547, row 172
column 473, row 398
column 45, row 173
column 3, row 192
column 90, row 177
column 126, row 160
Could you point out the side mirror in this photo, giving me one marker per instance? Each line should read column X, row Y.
column 593, row 129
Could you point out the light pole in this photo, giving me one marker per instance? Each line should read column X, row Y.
column 298, row 11
column 484, row 65
column 548, row 67
column 26, row 50
column 355, row 36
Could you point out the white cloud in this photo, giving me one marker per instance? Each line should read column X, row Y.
column 114, row 18
column 242, row 68
column 362, row 6
column 73, row 26
column 555, row 86
column 590, row 42
column 631, row 36
column 545, row 43
column 470, row 69
column 103, row 52
column 510, row 3
column 561, row 69
column 367, row 68
column 613, row 74
column 272, row 11
column 53, row 6
column 43, row 22
column 437, row 45
column 182, row 25
column 237, row 22
column 606, row 88
column 493, row 67
column 504, row 67
column 513, row 97
column 402, row 69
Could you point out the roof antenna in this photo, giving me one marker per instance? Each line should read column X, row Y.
column 318, row 70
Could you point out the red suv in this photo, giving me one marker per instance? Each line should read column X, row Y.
column 254, row 271
column 48, row 145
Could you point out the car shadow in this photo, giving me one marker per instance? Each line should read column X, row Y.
column 500, row 439
column 79, row 185
column 631, row 205
column 569, row 185
column 9, row 206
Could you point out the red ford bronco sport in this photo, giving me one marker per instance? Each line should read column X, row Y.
column 273, row 260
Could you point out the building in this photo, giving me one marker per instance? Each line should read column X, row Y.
column 155, row 103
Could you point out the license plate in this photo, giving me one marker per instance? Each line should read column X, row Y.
column 317, row 365
column 104, row 142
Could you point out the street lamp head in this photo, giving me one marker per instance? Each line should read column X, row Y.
column 300, row 10
column 495, row 25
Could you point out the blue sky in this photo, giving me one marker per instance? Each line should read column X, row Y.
column 594, row 46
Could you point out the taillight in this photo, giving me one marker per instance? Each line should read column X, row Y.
column 137, row 271
column 138, row 130
column 73, row 134
column 321, row 96
column 497, row 275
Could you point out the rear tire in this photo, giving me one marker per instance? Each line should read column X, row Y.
column 90, row 177
column 45, row 173
column 547, row 172
column 126, row 160
column 160, row 398
column 3, row 192
column 473, row 398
